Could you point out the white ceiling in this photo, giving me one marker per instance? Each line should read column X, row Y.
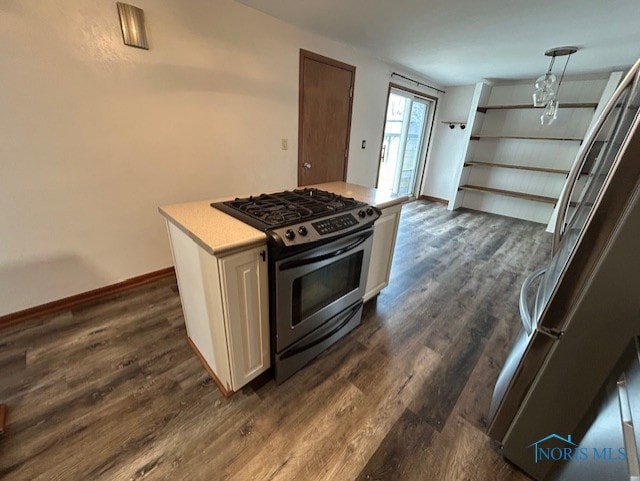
column 458, row 42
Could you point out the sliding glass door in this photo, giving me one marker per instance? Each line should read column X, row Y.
column 403, row 146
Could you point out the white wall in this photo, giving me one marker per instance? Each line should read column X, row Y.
column 447, row 145
column 96, row 135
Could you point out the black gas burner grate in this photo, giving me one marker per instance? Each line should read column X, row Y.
column 328, row 200
column 268, row 211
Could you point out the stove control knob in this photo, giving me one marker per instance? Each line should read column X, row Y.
column 289, row 234
column 302, row 230
column 369, row 210
column 362, row 213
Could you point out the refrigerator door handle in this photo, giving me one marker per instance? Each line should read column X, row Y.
column 554, row 334
column 525, row 310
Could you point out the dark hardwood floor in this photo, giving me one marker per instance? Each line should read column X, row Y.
column 111, row 391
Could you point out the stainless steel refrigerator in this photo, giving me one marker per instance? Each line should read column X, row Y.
column 581, row 312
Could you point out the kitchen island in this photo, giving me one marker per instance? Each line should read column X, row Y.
column 222, row 275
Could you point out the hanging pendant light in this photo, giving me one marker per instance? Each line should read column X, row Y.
column 544, row 87
column 550, row 113
column 546, row 93
column 543, row 95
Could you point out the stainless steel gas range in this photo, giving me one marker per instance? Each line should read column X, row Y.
column 319, row 247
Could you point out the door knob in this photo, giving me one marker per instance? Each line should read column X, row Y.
column 306, row 165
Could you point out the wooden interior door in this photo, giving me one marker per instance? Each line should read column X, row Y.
column 326, row 99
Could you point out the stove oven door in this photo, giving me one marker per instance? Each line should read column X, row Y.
column 316, row 285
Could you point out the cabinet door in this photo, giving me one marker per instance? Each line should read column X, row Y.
column 244, row 277
column 384, row 241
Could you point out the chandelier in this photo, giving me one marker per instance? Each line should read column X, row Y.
column 546, row 92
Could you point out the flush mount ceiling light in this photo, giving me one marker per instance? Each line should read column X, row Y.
column 546, row 93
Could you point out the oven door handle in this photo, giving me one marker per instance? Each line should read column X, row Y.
column 312, row 260
column 299, row 349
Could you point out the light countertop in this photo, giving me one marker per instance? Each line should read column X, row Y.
column 378, row 198
column 220, row 234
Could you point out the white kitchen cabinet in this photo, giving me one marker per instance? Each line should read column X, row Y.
column 225, row 304
column 245, row 299
column 384, row 242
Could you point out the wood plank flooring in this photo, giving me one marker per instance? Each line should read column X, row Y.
column 111, row 391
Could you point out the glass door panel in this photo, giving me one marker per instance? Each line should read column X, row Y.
column 403, row 143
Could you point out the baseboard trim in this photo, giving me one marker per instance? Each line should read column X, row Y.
column 215, row 379
column 73, row 301
column 433, row 199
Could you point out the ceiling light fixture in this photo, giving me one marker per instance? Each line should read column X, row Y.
column 546, row 93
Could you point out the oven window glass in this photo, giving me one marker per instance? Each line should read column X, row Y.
column 321, row 287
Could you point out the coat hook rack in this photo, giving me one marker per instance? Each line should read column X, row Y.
column 452, row 125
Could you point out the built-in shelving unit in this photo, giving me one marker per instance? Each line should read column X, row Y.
column 515, row 194
column 570, row 105
column 517, row 167
column 510, row 193
column 523, row 137
column 512, row 164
